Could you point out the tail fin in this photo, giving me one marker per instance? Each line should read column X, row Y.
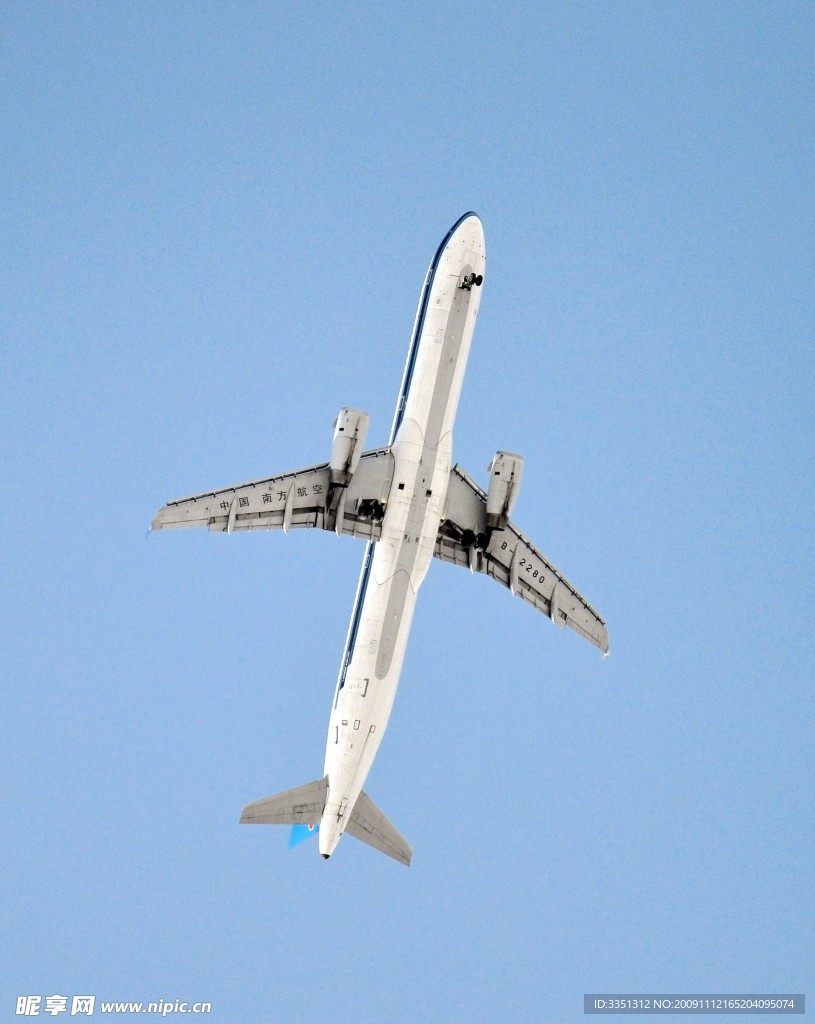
column 301, row 806
column 370, row 825
column 300, row 833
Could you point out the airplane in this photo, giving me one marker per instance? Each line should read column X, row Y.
column 410, row 504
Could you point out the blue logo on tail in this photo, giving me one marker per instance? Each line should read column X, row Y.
column 299, row 834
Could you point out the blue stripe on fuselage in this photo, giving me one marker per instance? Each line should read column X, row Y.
column 356, row 616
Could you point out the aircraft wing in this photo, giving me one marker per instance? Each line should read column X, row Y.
column 290, row 501
column 512, row 559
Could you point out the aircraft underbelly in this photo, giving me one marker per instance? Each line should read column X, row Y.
column 422, row 449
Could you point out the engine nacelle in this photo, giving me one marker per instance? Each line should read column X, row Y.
column 505, row 470
column 350, row 431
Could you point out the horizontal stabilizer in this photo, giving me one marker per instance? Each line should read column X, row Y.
column 301, row 806
column 370, row 825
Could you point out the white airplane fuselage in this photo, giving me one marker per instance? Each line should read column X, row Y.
column 394, row 568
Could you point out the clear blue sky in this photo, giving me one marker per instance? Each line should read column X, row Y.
column 216, row 219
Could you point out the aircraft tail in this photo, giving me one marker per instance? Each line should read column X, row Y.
column 304, row 806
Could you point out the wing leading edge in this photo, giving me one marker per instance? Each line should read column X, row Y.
column 513, row 560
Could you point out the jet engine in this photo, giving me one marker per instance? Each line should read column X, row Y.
column 350, row 431
column 505, row 470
